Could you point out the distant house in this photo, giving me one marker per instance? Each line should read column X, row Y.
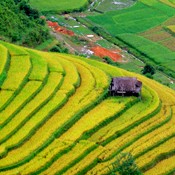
column 126, row 86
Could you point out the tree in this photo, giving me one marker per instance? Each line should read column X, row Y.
column 55, row 49
column 17, row 1
column 124, row 165
column 148, row 69
column 28, row 10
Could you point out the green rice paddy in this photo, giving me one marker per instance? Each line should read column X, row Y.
column 57, row 5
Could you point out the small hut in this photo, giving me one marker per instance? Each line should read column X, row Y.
column 126, row 86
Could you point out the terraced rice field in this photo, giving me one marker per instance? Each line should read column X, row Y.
column 163, row 34
column 56, row 117
column 57, row 6
column 154, row 52
column 111, row 5
column 169, row 2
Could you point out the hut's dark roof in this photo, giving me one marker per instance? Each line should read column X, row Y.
column 126, row 84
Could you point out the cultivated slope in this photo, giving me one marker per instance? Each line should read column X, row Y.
column 56, row 117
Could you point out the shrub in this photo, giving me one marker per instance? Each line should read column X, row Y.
column 55, row 49
column 148, row 69
column 125, row 165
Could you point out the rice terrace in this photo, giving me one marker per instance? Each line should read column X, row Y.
column 67, row 113
column 61, row 5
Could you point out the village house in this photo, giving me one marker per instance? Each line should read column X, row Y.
column 126, row 86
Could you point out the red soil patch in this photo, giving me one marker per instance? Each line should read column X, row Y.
column 57, row 28
column 102, row 52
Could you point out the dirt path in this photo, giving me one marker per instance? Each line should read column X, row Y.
column 61, row 38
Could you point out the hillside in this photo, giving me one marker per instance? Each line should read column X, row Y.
column 21, row 24
column 56, row 117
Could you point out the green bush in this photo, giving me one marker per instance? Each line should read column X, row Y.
column 125, row 165
column 148, row 69
column 59, row 48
